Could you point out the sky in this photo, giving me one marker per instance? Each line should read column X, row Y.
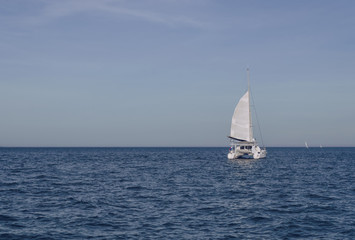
column 120, row 73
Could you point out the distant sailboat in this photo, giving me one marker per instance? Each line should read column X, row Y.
column 305, row 143
column 241, row 135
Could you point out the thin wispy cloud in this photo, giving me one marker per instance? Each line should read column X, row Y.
column 53, row 10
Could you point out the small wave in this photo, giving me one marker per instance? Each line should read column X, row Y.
column 135, row 188
column 321, row 197
column 7, row 218
column 260, row 219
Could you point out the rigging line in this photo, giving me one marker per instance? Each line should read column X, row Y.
column 257, row 120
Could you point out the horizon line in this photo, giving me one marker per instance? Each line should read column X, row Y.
column 166, row 147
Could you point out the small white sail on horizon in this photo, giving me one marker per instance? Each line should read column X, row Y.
column 305, row 143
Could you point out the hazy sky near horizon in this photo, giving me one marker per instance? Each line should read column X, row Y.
column 170, row 72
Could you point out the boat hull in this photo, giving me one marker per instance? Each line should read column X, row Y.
column 246, row 151
column 261, row 154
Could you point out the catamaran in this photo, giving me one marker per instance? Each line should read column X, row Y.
column 241, row 135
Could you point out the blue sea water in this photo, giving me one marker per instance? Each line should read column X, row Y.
column 176, row 193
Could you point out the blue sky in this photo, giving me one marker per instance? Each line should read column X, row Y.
column 170, row 72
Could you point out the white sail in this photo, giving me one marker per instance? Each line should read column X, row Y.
column 241, row 122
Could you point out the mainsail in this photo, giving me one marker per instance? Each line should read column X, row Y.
column 241, row 128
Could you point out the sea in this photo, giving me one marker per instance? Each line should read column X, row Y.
column 176, row 193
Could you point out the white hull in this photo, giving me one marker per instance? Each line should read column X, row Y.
column 248, row 150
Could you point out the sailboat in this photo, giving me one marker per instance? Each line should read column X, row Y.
column 241, row 135
column 306, row 144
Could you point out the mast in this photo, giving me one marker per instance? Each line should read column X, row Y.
column 250, row 121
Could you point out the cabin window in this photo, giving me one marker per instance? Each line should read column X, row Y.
column 242, row 147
